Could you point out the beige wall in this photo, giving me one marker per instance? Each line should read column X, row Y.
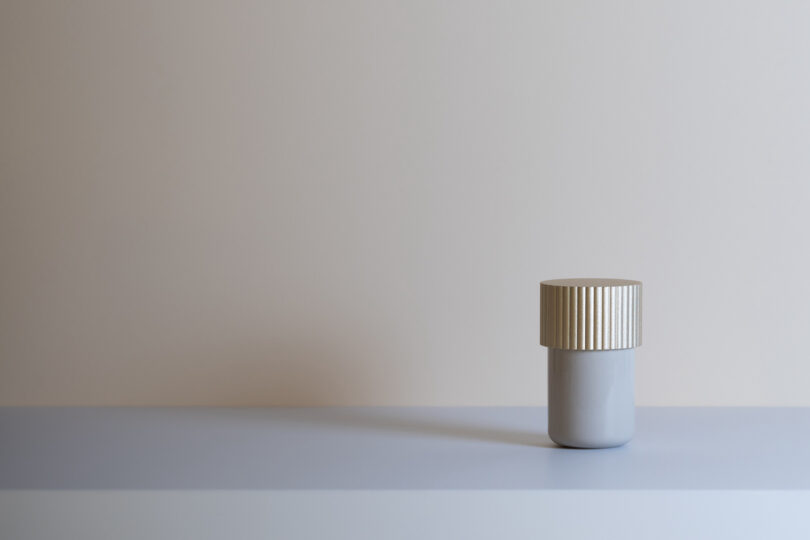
column 353, row 202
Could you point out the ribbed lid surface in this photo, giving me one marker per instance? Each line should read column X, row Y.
column 590, row 314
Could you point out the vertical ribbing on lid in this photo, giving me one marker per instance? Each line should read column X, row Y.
column 590, row 314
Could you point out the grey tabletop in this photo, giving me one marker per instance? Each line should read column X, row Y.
column 394, row 449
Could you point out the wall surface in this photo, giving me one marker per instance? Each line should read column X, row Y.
column 353, row 202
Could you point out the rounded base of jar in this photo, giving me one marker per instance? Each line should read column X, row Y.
column 588, row 443
column 590, row 395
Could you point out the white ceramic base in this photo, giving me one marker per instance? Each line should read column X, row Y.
column 590, row 397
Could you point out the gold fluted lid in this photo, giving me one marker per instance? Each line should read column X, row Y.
column 590, row 314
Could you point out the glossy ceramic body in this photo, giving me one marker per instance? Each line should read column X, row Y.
column 591, row 397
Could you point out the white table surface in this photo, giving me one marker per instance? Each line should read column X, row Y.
column 397, row 473
column 394, row 449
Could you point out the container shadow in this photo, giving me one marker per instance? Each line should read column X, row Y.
column 421, row 422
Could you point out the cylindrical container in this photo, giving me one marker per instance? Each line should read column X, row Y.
column 591, row 327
